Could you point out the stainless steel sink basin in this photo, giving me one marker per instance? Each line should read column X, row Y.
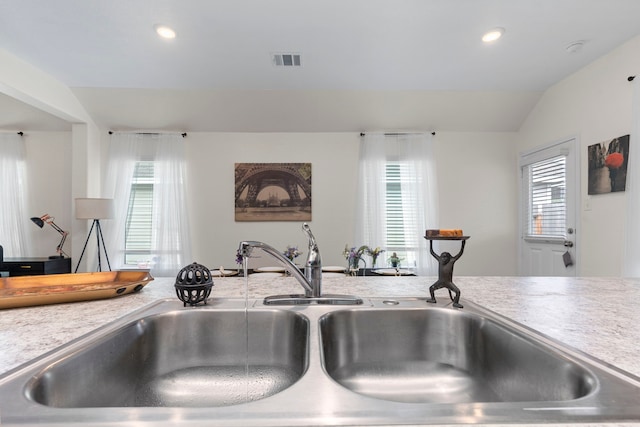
column 379, row 363
column 181, row 358
column 444, row 356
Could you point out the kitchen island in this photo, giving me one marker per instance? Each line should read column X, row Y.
column 598, row 316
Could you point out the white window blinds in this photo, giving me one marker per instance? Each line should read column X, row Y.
column 401, row 210
column 546, row 211
column 394, row 219
column 138, row 228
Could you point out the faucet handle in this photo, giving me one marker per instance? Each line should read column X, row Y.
column 312, row 239
column 313, row 257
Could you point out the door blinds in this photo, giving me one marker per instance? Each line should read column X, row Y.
column 546, row 210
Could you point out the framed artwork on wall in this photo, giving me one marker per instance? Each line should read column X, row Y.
column 608, row 165
column 273, row 191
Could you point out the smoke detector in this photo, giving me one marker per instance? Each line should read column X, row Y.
column 575, row 47
column 286, row 59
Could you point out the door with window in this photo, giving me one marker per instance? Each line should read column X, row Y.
column 549, row 183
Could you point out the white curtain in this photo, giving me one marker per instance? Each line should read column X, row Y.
column 419, row 191
column 631, row 264
column 13, row 187
column 170, row 247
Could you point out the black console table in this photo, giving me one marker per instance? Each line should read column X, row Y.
column 36, row 266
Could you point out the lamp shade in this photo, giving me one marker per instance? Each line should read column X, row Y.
column 37, row 221
column 94, row 209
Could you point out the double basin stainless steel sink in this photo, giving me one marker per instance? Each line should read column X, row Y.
column 385, row 362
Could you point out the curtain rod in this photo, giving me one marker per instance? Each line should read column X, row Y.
column 400, row 133
column 630, row 78
column 184, row 134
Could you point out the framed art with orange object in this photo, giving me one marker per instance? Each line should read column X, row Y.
column 608, row 165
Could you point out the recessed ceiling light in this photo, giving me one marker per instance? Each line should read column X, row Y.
column 165, row 32
column 493, row 35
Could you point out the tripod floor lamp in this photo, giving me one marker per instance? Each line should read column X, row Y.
column 95, row 209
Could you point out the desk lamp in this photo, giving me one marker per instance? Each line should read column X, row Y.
column 95, row 209
column 48, row 219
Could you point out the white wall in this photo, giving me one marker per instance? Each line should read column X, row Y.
column 49, row 182
column 478, row 193
column 211, row 158
column 475, row 171
column 594, row 104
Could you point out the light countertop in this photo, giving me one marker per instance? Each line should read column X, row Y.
column 599, row 316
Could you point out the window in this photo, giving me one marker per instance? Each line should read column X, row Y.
column 146, row 178
column 546, row 210
column 397, row 197
column 138, row 227
column 401, row 213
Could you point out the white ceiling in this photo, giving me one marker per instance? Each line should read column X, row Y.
column 366, row 64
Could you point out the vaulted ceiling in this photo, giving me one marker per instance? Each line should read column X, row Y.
column 365, row 64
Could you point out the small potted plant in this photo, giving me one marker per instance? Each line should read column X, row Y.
column 394, row 259
column 353, row 257
column 239, row 259
column 291, row 253
column 374, row 254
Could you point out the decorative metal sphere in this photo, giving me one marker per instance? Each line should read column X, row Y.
column 193, row 284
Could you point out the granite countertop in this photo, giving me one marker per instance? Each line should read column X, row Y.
column 599, row 316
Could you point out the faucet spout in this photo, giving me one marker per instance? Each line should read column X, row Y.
column 246, row 247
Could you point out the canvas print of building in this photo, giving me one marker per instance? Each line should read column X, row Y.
column 273, row 191
column 608, row 165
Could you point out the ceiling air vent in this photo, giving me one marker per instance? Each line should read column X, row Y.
column 286, row 59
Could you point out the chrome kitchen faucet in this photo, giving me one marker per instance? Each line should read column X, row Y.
column 311, row 279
